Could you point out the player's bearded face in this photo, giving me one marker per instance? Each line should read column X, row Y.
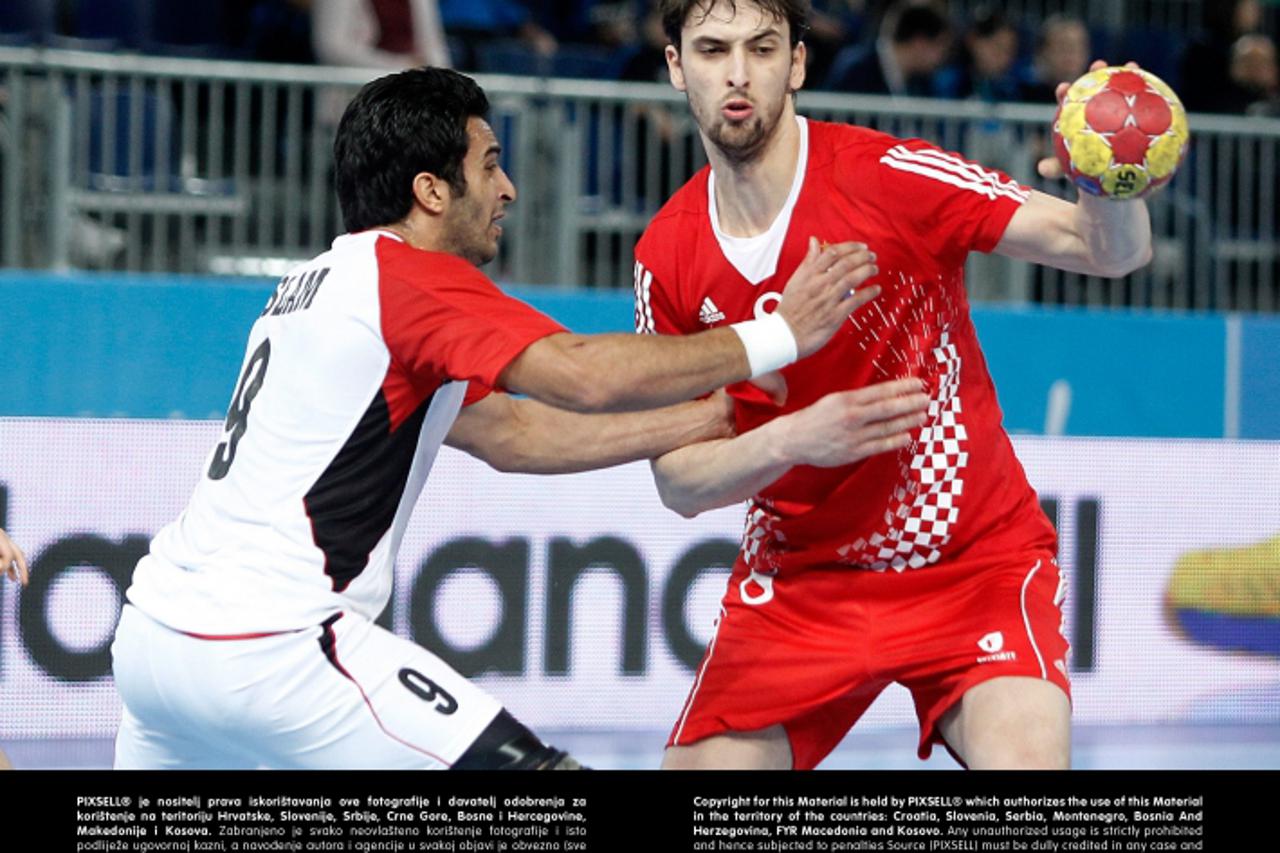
column 737, row 67
column 472, row 220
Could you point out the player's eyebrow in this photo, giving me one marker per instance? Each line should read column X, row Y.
column 493, row 150
column 771, row 32
column 758, row 36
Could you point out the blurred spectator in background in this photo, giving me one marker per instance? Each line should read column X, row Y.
column 1256, row 75
column 598, row 23
column 985, row 68
column 833, row 25
column 472, row 23
column 1206, row 83
column 914, row 40
column 648, row 62
column 391, row 34
column 1063, row 53
column 271, row 30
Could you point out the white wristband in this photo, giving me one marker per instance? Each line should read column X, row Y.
column 769, row 343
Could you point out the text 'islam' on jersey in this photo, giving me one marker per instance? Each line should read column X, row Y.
column 957, row 492
column 353, row 375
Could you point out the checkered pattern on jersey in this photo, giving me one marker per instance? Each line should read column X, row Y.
column 644, row 313
column 923, row 512
column 757, row 533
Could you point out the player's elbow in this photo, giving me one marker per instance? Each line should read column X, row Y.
column 590, row 394
column 581, row 385
column 1121, row 267
column 679, row 501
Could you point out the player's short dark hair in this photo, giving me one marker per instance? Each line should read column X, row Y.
column 396, row 127
column 676, row 12
column 911, row 20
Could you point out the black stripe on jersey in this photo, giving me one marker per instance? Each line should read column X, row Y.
column 329, row 640
column 353, row 503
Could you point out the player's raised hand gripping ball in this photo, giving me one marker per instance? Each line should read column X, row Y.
column 1120, row 132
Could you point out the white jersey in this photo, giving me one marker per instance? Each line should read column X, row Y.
column 352, row 377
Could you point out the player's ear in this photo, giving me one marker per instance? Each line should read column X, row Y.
column 674, row 68
column 799, row 55
column 431, row 192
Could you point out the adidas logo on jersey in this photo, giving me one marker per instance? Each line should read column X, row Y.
column 709, row 314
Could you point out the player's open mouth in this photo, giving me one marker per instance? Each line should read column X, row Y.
column 737, row 110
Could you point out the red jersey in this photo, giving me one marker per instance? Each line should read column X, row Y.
column 957, row 491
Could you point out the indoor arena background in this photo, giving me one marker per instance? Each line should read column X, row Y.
column 147, row 203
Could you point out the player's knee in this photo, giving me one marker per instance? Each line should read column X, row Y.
column 1031, row 747
column 507, row 745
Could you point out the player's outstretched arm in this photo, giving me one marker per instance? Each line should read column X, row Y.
column 12, row 561
column 526, row 436
column 1094, row 236
column 619, row 372
column 841, row 428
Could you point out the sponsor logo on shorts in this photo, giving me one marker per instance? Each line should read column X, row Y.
column 760, row 581
column 993, row 645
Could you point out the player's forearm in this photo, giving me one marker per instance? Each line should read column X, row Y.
column 534, row 438
column 570, row 442
column 1116, row 235
column 620, row 372
column 701, row 477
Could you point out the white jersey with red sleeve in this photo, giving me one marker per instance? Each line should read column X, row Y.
column 957, row 492
column 353, row 375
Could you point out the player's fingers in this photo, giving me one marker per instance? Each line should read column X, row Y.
column 1050, row 168
column 859, row 296
column 1097, row 63
column 849, row 275
column 902, row 423
column 885, row 390
column 853, row 268
column 834, row 253
column 896, row 441
column 21, row 560
column 815, row 248
column 897, row 413
column 1061, row 92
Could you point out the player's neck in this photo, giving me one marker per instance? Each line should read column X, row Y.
column 418, row 233
column 750, row 194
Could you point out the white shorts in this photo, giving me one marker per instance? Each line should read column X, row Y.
column 345, row 694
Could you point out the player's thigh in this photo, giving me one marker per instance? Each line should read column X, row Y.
column 171, row 706
column 763, row 749
column 367, row 698
column 139, row 746
column 1011, row 723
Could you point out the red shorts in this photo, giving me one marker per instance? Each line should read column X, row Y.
column 812, row 651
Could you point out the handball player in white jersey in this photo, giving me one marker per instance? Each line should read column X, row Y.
column 248, row 637
column 932, row 567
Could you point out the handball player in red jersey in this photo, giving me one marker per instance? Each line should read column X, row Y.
column 932, row 567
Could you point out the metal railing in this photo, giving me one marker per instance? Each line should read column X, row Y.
column 134, row 163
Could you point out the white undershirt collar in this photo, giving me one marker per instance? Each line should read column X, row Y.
column 756, row 257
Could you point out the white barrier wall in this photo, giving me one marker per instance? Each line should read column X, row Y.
column 583, row 603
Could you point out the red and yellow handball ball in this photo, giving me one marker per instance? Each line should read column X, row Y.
column 1120, row 132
